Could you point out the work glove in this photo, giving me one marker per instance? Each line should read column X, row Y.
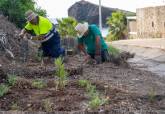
column 98, row 59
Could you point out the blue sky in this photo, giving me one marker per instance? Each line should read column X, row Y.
column 58, row 8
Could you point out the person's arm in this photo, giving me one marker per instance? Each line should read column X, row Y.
column 82, row 48
column 98, row 46
column 98, row 50
column 39, row 37
column 23, row 32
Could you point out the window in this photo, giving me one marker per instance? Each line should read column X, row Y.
column 152, row 24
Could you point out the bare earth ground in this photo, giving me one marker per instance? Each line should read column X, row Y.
column 128, row 88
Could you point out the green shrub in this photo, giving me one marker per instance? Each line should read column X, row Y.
column 12, row 79
column 118, row 26
column 15, row 106
column 95, row 100
column 83, row 83
column 48, row 105
column 15, row 10
column 38, row 84
column 95, row 103
column 3, row 89
column 113, row 51
column 152, row 95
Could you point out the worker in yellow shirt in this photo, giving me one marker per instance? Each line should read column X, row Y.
column 45, row 32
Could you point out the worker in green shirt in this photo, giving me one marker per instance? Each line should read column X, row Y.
column 91, row 42
column 45, row 32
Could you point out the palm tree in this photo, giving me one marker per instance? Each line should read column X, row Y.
column 66, row 27
column 118, row 26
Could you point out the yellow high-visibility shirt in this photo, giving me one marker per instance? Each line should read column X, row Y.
column 42, row 28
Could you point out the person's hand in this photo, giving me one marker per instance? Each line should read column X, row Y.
column 21, row 35
column 87, row 58
column 37, row 38
column 98, row 59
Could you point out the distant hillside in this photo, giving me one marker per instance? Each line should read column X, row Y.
column 86, row 11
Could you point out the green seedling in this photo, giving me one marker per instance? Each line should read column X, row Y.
column 88, row 87
column 152, row 95
column 15, row 106
column 92, row 92
column 12, row 79
column 48, row 105
column 113, row 51
column 83, row 83
column 38, row 84
column 3, row 89
column 39, row 55
column 61, row 73
column 95, row 103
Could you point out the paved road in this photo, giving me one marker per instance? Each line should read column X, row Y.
column 151, row 43
column 150, row 53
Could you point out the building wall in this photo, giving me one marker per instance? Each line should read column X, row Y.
column 151, row 22
column 132, row 28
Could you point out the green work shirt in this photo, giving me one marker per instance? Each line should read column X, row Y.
column 42, row 28
column 90, row 40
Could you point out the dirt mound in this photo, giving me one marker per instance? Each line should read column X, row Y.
column 8, row 36
column 10, row 45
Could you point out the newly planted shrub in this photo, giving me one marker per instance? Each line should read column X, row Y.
column 39, row 55
column 83, row 83
column 92, row 92
column 38, row 84
column 12, row 79
column 95, row 99
column 113, row 51
column 15, row 106
column 61, row 73
column 48, row 105
column 3, row 89
column 152, row 95
column 95, row 103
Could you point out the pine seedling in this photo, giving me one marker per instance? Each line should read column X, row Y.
column 61, row 73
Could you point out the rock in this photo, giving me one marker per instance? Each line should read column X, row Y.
column 86, row 11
